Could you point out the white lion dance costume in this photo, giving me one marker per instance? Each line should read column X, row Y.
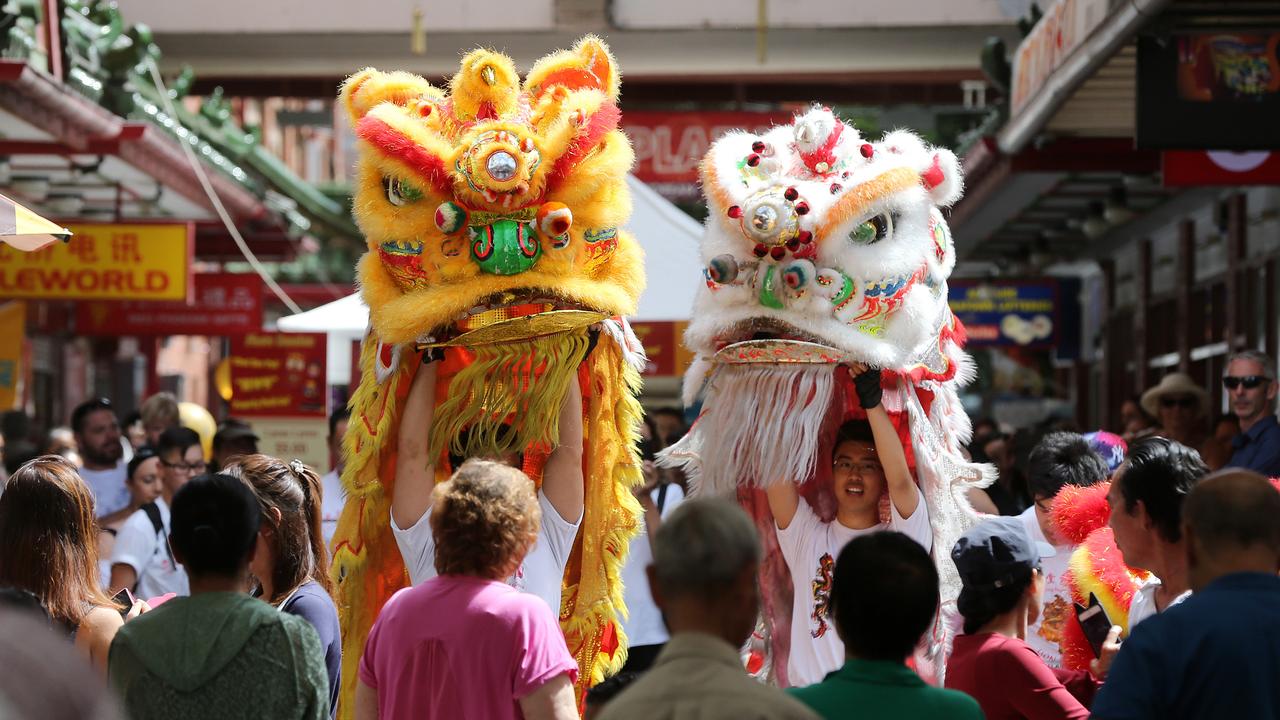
column 493, row 212
column 822, row 248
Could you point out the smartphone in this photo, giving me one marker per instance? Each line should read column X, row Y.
column 1094, row 622
column 125, row 598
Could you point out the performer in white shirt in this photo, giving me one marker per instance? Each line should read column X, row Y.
column 561, row 497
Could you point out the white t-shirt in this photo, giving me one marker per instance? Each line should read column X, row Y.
column 810, row 547
column 334, row 497
column 142, row 548
column 109, row 491
column 644, row 625
column 541, row 573
column 1045, row 635
column 1143, row 605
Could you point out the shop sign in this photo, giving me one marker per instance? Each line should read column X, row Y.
column 1001, row 312
column 1184, row 168
column 1062, row 29
column 301, row 438
column 223, row 304
column 670, row 145
column 13, row 318
column 663, row 346
column 103, row 262
column 279, row 374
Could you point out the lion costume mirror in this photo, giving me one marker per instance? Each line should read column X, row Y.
column 493, row 214
column 823, row 249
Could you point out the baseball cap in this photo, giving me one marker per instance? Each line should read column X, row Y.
column 996, row 553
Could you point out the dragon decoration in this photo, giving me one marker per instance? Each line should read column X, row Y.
column 493, row 212
column 822, row 248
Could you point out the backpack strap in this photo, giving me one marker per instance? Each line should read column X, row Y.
column 153, row 514
column 662, row 497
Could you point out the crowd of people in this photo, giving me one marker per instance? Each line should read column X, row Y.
column 194, row 581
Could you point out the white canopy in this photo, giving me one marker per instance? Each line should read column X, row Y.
column 670, row 241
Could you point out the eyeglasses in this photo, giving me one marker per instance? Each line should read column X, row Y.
column 1181, row 402
column 848, row 466
column 196, row 467
column 1231, row 382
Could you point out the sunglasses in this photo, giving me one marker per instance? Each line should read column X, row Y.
column 1231, row 382
column 1181, row 402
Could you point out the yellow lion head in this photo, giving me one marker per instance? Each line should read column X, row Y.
column 491, row 195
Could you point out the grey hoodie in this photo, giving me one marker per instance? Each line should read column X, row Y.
column 219, row 655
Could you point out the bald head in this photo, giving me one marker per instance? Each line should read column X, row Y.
column 1232, row 520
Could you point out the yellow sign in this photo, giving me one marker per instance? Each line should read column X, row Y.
column 103, row 262
column 13, row 317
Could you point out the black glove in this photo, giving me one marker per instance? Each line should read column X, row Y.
column 593, row 337
column 867, row 384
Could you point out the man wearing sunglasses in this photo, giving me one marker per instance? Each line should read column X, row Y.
column 1250, row 385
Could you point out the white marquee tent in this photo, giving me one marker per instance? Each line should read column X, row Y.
column 670, row 241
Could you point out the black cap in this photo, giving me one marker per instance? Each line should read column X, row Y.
column 996, row 553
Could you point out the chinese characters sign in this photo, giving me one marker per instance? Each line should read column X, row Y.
column 278, row 374
column 663, row 347
column 223, row 304
column 103, row 262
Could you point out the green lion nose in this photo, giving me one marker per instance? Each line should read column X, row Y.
column 505, row 247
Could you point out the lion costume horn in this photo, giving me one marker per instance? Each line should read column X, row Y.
column 493, row 214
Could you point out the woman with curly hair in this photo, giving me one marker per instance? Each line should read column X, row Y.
column 291, row 563
column 49, row 547
column 464, row 643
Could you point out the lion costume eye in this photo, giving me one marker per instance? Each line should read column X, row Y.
column 872, row 230
column 399, row 192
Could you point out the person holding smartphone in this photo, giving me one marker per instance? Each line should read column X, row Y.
column 1001, row 596
column 49, row 547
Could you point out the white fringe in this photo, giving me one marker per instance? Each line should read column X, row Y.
column 762, row 425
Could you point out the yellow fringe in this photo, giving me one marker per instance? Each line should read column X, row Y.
column 495, row 407
column 367, row 567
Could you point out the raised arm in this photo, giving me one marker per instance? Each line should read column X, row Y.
column 415, row 468
column 784, row 500
column 902, row 488
column 562, row 479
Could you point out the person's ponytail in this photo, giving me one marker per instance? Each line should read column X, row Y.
column 313, row 514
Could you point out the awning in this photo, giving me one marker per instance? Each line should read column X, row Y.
column 26, row 230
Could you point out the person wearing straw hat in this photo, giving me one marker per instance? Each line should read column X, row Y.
column 1181, row 406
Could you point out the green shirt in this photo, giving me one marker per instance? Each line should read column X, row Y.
column 879, row 689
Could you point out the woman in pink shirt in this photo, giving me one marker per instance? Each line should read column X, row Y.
column 999, row 567
column 464, row 644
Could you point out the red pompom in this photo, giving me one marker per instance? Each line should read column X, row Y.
column 836, row 187
column 777, row 252
column 805, row 236
column 753, row 159
column 867, row 151
column 760, row 250
column 734, row 212
column 757, row 146
column 791, row 194
column 802, row 208
column 1078, row 511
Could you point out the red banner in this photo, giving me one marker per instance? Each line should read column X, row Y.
column 663, row 345
column 224, row 304
column 279, row 374
column 1220, row 167
column 669, row 145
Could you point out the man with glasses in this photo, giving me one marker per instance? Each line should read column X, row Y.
column 142, row 560
column 1060, row 459
column 868, row 461
column 1250, row 384
column 97, row 435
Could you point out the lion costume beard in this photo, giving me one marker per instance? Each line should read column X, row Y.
column 508, row 397
column 769, row 418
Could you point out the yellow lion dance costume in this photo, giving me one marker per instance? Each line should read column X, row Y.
column 493, row 214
